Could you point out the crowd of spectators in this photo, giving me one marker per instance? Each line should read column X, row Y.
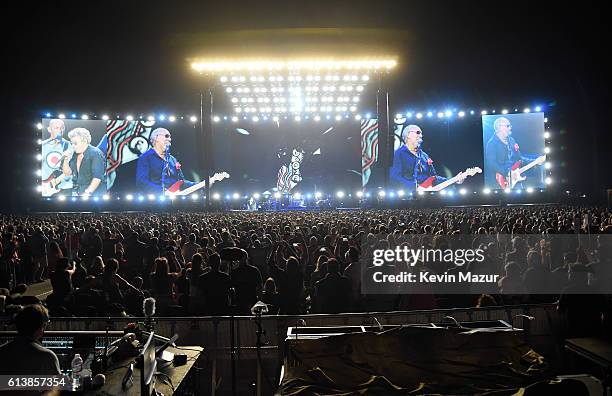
column 297, row 262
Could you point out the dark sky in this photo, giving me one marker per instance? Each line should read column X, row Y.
column 114, row 57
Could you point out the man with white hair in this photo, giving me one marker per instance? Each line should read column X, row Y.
column 53, row 179
column 411, row 165
column 157, row 169
column 503, row 156
column 85, row 163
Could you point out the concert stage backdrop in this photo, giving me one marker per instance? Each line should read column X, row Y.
column 288, row 157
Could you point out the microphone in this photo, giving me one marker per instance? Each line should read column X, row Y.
column 148, row 307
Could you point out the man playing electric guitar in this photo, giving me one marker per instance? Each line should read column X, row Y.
column 157, row 171
column 412, row 167
column 52, row 149
column 504, row 161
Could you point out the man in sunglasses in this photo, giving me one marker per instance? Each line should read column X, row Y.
column 503, row 158
column 411, row 165
column 157, row 169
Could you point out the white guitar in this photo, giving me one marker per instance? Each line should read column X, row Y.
column 175, row 189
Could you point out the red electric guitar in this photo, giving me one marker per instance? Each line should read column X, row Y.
column 427, row 185
column 175, row 189
column 515, row 175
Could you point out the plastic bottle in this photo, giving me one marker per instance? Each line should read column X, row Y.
column 77, row 367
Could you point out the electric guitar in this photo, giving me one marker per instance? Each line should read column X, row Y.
column 175, row 189
column 48, row 186
column 427, row 185
column 515, row 174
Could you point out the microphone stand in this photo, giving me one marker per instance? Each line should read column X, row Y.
column 232, row 335
column 165, row 169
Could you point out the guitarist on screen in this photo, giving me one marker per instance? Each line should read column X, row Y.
column 157, row 171
column 413, row 168
column 504, row 160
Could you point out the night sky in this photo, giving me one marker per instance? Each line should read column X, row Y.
column 115, row 57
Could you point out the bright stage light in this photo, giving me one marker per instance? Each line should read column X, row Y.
column 484, row 112
column 546, row 150
column 443, row 192
column 421, row 192
column 195, row 197
column 39, row 172
column 504, row 111
column 529, row 190
column 150, row 118
column 400, row 193
column 61, row 198
column 448, row 113
column 234, row 119
column 172, row 118
column 340, row 194
column 162, row 117
column 39, row 188
column 419, row 115
column 162, row 198
column 193, row 119
column 255, row 119
column 297, row 195
column 450, row 193
column 39, row 157
column 519, row 191
column 440, row 114
column 277, row 195
column 546, row 135
column 235, row 195
column 216, row 196
column 338, row 117
column 382, row 193
column 461, row 114
column 358, row 117
column 547, row 165
column 84, row 117
column 359, row 194
column 39, row 141
column 141, row 198
column 486, row 191
column 151, row 197
column 129, row 197
column 429, row 114
column 105, row 117
column 129, row 118
column 256, row 195
column 298, row 118
column 538, row 109
column 39, row 126
column 318, row 194
column 548, row 180
column 507, row 190
column 105, row 197
column 526, row 110
column 61, row 116
column 463, row 191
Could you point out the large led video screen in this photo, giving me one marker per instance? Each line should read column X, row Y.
column 434, row 154
column 513, row 150
column 288, row 157
column 93, row 157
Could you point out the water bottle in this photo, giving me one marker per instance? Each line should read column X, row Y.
column 77, row 367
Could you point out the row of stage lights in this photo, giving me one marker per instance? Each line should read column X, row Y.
column 339, row 195
column 275, row 118
column 311, row 66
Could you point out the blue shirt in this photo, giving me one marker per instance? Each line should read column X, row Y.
column 93, row 166
column 149, row 170
column 409, row 169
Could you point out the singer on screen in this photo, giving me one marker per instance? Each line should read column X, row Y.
column 411, row 165
column 85, row 163
column 157, row 170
